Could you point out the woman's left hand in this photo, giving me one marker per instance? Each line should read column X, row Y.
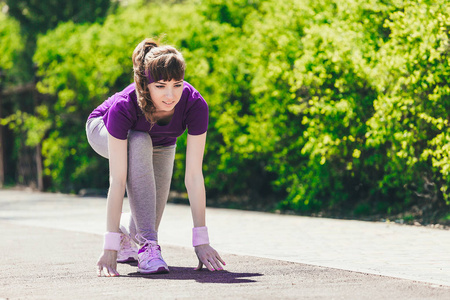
column 209, row 257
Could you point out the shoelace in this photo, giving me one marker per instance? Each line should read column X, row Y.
column 125, row 243
column 150, row 251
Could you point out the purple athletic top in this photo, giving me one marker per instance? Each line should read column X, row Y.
column 121, row 113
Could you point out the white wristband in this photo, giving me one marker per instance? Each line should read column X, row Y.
column 112, row 241
column 200, row 236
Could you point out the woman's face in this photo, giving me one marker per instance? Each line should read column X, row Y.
column 166, row 94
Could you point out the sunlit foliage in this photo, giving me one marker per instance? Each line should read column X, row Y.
column 331, row 104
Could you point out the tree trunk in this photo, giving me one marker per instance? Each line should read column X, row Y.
column 2, row 166
column 40, row 181
column 39, row 177
column 2, row 148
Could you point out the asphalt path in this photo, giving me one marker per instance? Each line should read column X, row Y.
column 50, row 244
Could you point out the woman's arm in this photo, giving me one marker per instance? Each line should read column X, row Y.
column 117, row 150
column 194, row 177
column 197, row 197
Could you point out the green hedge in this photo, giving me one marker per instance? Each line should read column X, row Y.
column 328, row 105
column 10, row 41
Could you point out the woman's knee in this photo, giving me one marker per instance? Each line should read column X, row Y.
column 97, row 136
column 139, row 140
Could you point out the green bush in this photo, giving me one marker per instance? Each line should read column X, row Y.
column 328, row 105
column 10, row 41
column 409, row 131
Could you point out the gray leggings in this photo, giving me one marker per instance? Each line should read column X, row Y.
column 148, row 181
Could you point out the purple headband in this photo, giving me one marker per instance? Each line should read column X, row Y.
column 149, row 77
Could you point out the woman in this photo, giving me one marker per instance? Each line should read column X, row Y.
column 137, row 129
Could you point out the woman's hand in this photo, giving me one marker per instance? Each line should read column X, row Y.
column 107, row 264
column 209, row 257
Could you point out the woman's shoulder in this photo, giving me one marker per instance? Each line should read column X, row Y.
column 197, row 112
column 192, row 95
column 122, row 100
column 125, row 103
column 127, row 94
column 126, row 98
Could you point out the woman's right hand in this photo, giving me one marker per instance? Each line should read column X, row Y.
column 107, row 264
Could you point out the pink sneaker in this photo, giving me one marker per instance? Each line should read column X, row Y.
column 128, row 250
column 150, row 260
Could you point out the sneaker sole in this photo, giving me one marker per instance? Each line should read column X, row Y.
column 129, row 259
column 160, row 270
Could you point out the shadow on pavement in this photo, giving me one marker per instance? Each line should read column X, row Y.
column 204, row 276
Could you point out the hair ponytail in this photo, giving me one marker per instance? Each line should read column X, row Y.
column 140, row 78
column 152, row 62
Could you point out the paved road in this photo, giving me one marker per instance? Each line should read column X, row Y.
column 50, row 243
